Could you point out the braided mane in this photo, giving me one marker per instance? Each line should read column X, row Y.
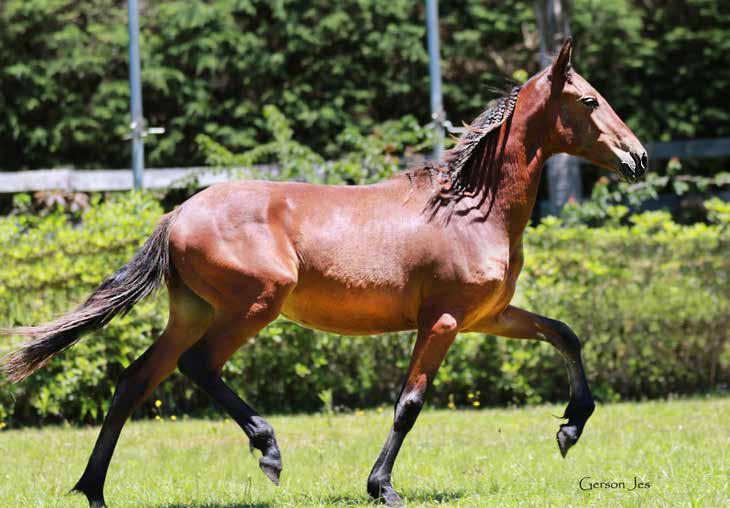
column 469, row 168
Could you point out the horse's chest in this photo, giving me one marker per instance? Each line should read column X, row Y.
column 476, row 264
column 484, row 281
column 488, row 273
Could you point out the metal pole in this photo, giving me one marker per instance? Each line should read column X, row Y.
column 434, row 70
column 135, row 100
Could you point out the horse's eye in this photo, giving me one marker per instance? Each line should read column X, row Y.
column 589, row 101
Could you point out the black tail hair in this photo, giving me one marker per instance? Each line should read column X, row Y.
column 116, row 295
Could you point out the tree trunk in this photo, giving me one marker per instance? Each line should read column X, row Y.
column 563, row 171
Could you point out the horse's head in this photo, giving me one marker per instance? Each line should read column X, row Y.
column 583, row 122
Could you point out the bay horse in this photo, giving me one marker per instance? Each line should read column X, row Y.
column 437, row 249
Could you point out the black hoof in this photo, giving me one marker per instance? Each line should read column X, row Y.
column 263, row 439
column 567, row 436
column 271, row 468
column 577, row 413
column 384, row 493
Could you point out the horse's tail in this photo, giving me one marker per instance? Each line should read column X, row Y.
column 116, row 295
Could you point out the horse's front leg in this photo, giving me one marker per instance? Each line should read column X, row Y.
column 521, row 324
column 436, row 333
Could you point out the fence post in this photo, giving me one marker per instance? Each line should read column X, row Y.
column 434, row 69
column 135, row 99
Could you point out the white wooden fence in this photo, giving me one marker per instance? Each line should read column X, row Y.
column 116, row 180
column 110, row 179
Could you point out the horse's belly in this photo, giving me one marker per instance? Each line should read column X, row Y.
column 338, row 308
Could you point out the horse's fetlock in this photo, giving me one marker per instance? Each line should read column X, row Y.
column 376, row 483
column 261, row 440
column 262, row 434
column 586, row 406
column 92, row 488
column 579, row 410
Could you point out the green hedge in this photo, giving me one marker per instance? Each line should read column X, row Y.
column 650, row 298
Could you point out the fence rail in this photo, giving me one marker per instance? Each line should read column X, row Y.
column 118, row 180
column 694, row 149
column 112, row 179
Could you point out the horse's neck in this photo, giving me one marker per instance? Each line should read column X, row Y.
column 517, row 192
column 519, row 182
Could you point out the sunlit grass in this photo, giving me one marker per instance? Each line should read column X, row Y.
column 487, row 457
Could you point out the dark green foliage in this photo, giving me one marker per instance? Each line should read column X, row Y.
column 650, row 301
column 210, row 67
column 662, row 65
column 63, row 88
column 364, row 158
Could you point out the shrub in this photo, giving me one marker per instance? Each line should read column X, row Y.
column 651, row 300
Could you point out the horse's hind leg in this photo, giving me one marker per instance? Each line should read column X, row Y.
column 189, row 316
column 202, row 364
column 521, row 324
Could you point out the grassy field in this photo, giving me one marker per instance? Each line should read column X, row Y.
column 490, row 457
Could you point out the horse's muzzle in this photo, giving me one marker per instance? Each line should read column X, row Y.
column 633, row 165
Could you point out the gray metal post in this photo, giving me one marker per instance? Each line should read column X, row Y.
column 434, row 69
column 135, row 100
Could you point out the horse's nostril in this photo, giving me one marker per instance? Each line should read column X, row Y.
column 644, row 162
column 641, row 160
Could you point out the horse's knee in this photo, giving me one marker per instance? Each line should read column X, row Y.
column 408, row 408
column 445, row 325
column 406, row 413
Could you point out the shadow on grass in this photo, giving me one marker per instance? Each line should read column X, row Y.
column 439, row 496
column 442, row 496
column 216, row 505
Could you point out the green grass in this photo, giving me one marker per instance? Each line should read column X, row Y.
column 491, row 457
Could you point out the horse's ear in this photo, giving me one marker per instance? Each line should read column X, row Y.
column 561, row 66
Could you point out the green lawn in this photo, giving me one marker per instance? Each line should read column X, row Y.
column 490, row 457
